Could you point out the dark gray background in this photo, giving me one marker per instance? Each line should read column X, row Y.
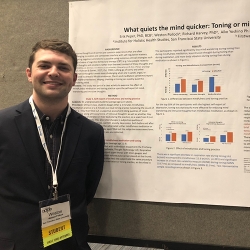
column 22, row 24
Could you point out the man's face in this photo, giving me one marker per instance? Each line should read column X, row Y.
column 52, row 75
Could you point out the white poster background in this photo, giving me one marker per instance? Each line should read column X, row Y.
column 169, row 82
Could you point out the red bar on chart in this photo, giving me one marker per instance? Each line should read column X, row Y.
column 229, row 136
column 173, row 136
column 217, row 88
column 200, row 86
column 183, row 85
column 189, row 136
column 212, row 139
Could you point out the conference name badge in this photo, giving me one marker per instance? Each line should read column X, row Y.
column 55, row 220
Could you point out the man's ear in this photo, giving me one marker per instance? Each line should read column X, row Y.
column 74, row 79
column 28, row 74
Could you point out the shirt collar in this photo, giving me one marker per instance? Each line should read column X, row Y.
column 43, row 116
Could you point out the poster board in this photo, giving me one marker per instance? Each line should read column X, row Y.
column 162, row 78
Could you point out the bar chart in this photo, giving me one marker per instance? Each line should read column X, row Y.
column 198, row 81
column 216, row 132
column 227, row 137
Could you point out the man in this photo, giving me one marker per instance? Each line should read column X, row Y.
column 48, row 151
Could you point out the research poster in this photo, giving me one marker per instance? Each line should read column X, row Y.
column 170, row 83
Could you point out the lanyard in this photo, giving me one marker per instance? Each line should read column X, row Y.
column 42, row 138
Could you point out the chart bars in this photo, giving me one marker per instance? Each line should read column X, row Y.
column 171, row 137
column 224, row 138
column 197, row 87
column 188, row 137
column 209, row 139
column 227, row 138
column 181, row 87
column 212, row 87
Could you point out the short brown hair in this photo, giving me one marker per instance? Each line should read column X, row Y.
column 56, row 45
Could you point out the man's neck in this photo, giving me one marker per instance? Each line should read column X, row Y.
column 51, row 108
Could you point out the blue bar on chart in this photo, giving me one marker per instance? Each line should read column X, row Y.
column 183, row 137
column 177, row 88
column 194, row 88
column 223, row 138
column 211, row 84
